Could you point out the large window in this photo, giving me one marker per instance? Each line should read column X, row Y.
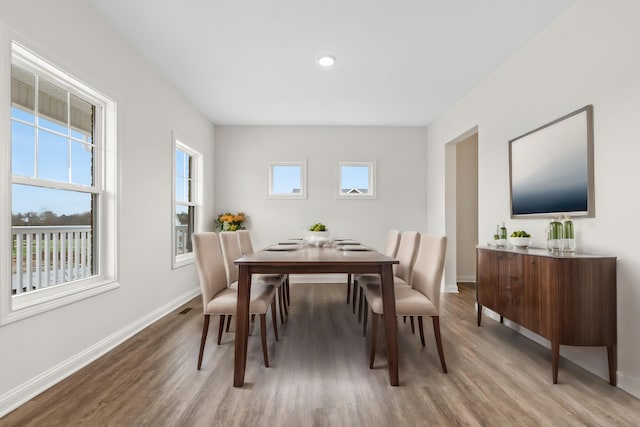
column 186, row 195
column 62, row 179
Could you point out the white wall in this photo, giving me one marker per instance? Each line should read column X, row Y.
column 40, row 350
column 589, row 55
column 241, row 180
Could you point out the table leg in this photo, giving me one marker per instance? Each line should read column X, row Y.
column 613, row 364
column 390, row 322
column 242, row 325
column 555, row 359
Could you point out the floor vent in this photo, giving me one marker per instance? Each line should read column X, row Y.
column 185, row 311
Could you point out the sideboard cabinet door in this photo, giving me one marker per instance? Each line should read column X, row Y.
column 540, row 295
column 487, row 279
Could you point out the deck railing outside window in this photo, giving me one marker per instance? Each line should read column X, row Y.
column 182, row 238
column 44, row 256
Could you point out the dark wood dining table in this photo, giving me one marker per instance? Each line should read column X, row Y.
column 311, row 260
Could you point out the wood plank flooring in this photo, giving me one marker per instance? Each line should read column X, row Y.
column 320, row 377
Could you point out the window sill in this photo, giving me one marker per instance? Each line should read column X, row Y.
column 22, row 306
column 183, row 260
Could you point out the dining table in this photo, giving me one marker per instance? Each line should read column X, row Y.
column 304, row 259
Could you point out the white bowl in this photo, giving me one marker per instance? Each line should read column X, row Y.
column 318, row 238
column 520, row 242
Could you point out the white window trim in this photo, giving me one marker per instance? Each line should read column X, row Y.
column 181, row 260
column 303, row 179
column 17, row 307
column 372, row 194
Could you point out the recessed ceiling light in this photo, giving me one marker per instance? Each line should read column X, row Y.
column 326, row 61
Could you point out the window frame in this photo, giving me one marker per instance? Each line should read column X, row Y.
column 302, row 164
column 104, row 233
column 180, row 260
column 372, row 194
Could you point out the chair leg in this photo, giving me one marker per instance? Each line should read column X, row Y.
column 413, row 328
column 364, row 321
column 348, row 288
column 436, row 332
column 273, row 318
column 279, row 293
column 205, row 329
column 353, row 296
column 421, row 330
column 221, row 327
column 283, row 291
column 253, row 317
column 360, row 298
column 288, row 294
column 228, row 322
column 374, row 338
column 404, row 319
column 263, row 335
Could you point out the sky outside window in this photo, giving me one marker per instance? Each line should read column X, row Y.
column 52, row 155
column 286, row 179
column 355, row 177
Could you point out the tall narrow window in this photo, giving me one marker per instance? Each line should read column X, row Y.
column 58, row 184
column 185, row 205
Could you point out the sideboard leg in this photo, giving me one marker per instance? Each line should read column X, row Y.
column 555, row 359
column 501, row 319
column 613, row 363
column 479, row 313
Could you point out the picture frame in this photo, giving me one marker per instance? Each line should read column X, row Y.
column 551, row 168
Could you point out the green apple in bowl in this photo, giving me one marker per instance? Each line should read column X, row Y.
column 520, row 239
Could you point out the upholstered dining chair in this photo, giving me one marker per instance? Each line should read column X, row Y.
column 420, row 299
column 246, row 247
column 406, row 255
column 390, row 249
column 230, row 244
column 219, row 299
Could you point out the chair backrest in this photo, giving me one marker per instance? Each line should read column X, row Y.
column 210, row 265
column 407, row 250
column 427, row 271
column 391, row 249
column 244, row 237
column 230, row 252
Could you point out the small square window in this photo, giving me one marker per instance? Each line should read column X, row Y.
column 356, row 180
column 287, row 180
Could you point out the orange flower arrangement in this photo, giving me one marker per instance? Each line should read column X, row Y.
column 230, row 222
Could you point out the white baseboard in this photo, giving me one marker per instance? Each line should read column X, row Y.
column 28, row 390
column 318, row 278
column 629, row 383
column 451, row 288
column 467, row 279
column 597, row 366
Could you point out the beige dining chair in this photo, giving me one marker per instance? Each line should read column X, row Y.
column 282, row 280
column 219, row 299
column 406, row 255
column 420, row 299
column 230, row 244
column 390, row 249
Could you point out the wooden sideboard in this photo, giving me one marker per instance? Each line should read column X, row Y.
column 569, row 299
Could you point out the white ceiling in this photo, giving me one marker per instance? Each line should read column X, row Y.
column 398, row 62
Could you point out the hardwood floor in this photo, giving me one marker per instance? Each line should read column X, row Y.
column 319, row 376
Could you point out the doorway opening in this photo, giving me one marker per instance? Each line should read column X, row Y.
column 461, row 208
